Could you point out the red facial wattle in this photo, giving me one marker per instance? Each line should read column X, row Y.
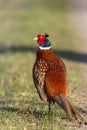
column 41, row 38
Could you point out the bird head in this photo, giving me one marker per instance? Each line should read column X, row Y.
column 42, row 41
column 41, row 38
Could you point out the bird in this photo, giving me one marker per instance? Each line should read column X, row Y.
column 50, row 77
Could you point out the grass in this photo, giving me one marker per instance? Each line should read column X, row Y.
column 20, row 22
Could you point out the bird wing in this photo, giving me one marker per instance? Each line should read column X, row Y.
column 39, row 73
column 56, row 81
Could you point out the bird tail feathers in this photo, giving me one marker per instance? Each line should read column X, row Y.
column 71, row 112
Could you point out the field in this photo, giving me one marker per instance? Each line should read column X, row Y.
column 20, row 22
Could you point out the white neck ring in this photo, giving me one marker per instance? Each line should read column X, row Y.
column 45, row 48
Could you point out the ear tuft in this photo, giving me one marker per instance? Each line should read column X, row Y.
column 46, row 35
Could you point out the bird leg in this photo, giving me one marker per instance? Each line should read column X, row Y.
column 51, row 103
column 49, row 110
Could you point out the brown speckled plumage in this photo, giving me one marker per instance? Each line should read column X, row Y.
column 46, row 68
column 50, row 79
column 39, row 74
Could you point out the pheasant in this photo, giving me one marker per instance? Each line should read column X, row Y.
column 50, row 77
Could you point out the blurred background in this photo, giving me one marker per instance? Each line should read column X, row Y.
column 20, row 21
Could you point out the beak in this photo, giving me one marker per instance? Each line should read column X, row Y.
column 36, row 38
